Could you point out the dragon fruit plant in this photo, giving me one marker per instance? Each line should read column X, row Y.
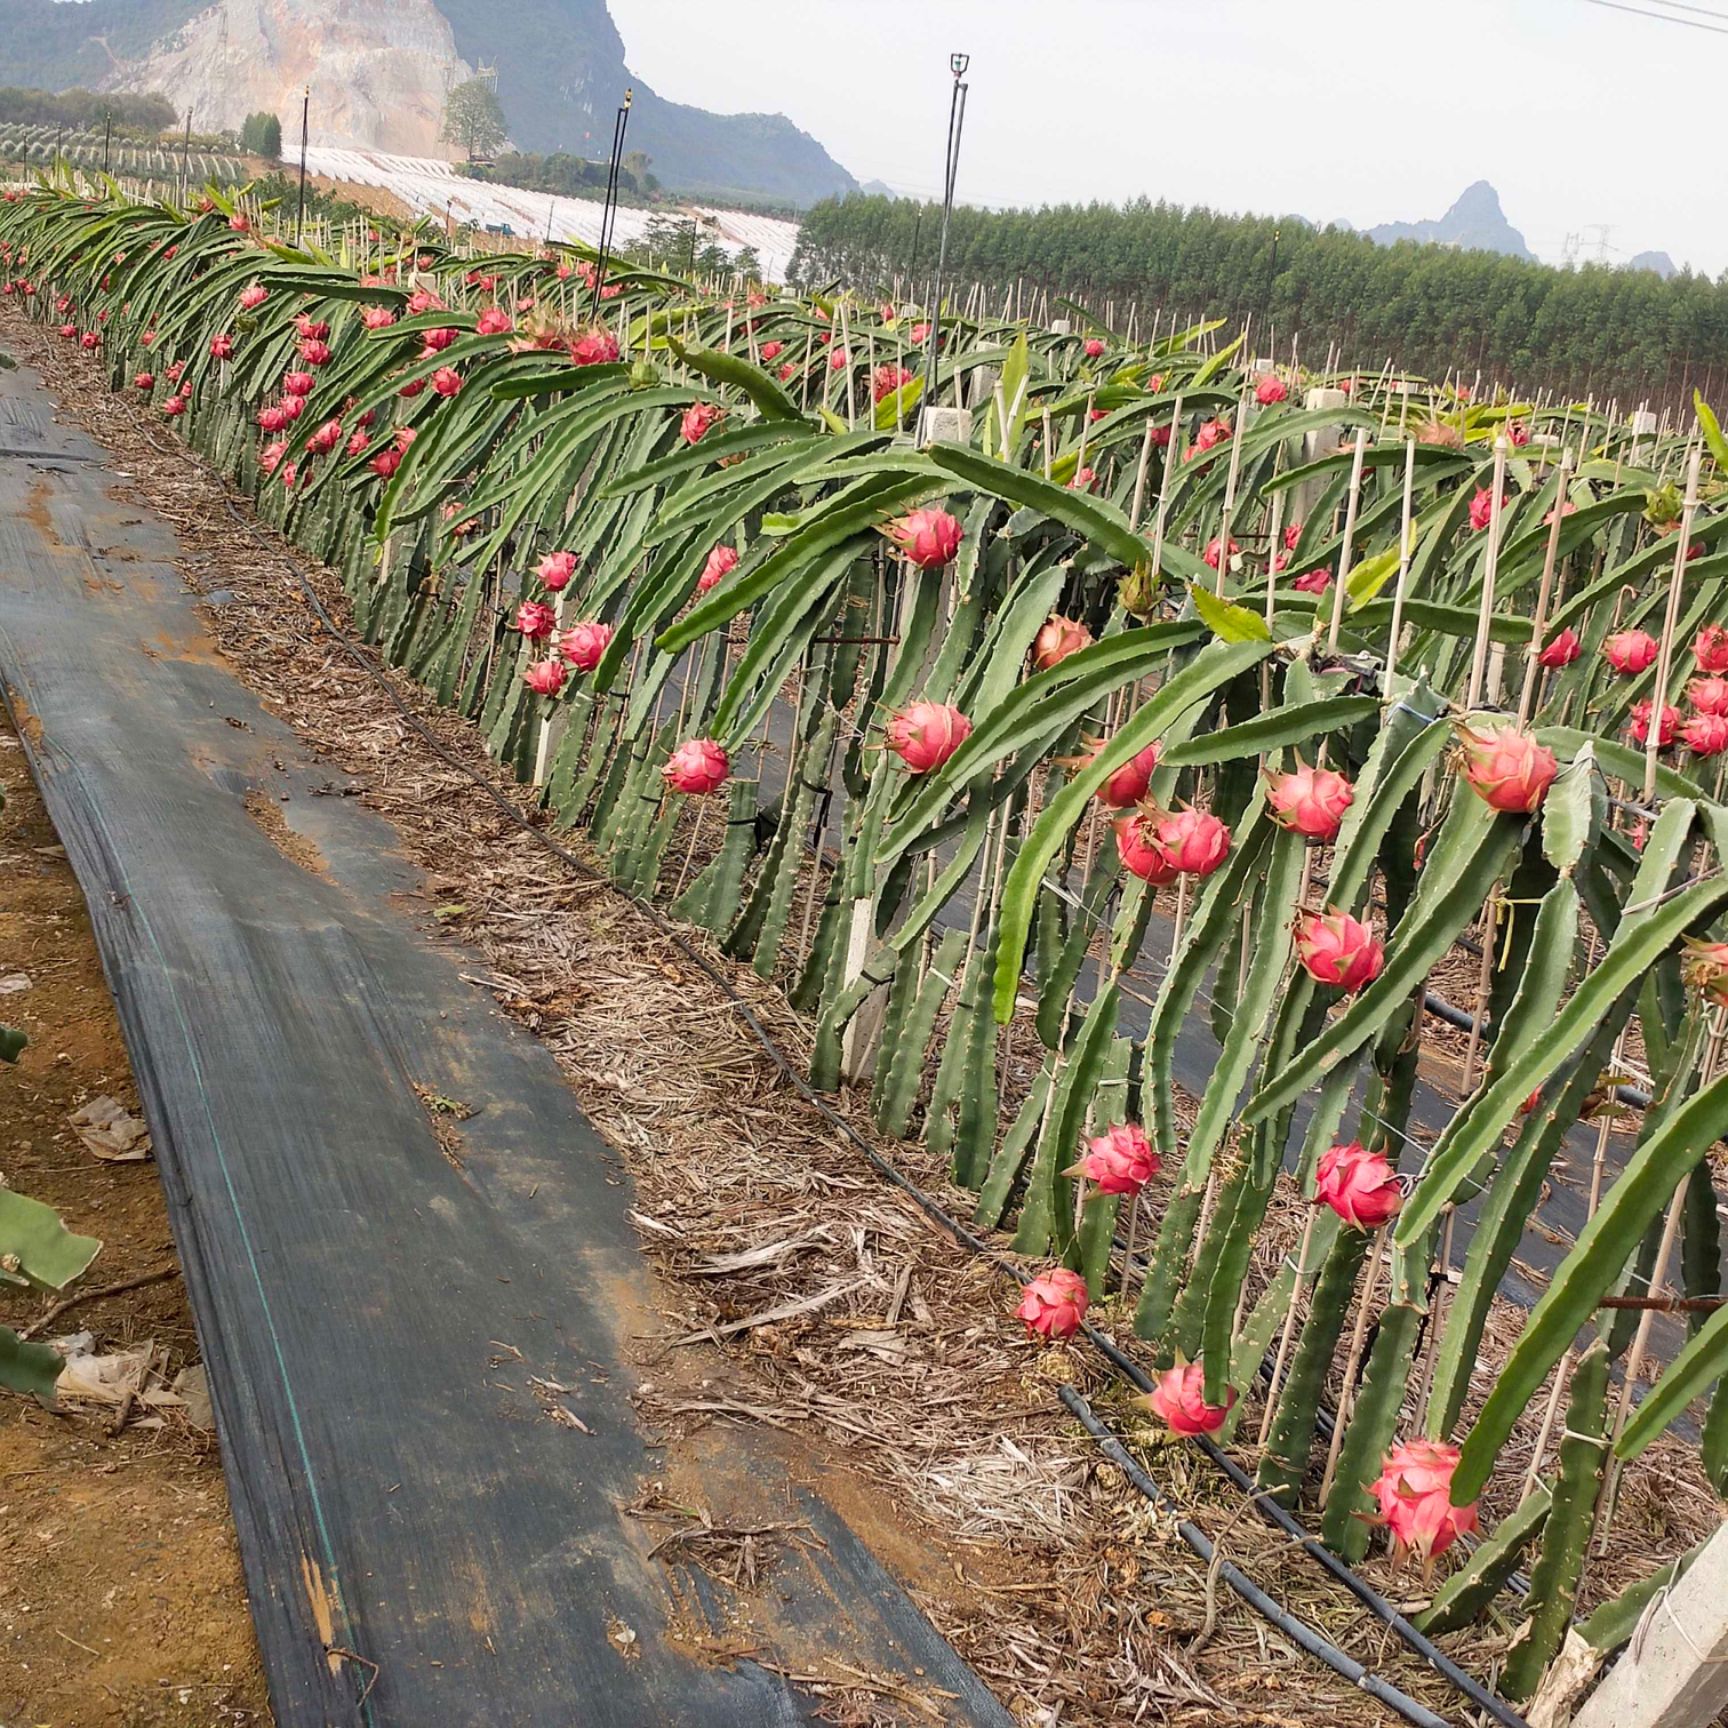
column 658, row 539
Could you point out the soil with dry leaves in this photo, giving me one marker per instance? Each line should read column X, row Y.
column 121, row 1600
column 804, row 1294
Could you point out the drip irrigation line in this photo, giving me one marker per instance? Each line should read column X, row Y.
column 950, row 1226
column 1295, row 1630
column 1285, row 1520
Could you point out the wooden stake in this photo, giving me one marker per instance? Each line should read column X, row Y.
column 1352, row 1361
column 1490, row 568
column 1406, row 523
column 1352, row 505
column 1665, row 655
column 1539, row 623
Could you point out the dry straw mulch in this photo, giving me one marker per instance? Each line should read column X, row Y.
column 801, row 1292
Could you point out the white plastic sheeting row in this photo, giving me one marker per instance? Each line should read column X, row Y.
column 431, row 187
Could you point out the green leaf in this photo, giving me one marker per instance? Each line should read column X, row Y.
column 42, row 1249
column 1098, row 522
column 1585, row 1276
column 894, row 407
column 1690, row 1375
column 1229, row 623
column 740, row 375
column 1273, row 730
column 1372, row 574
column 1641, row 940
column 1213, row 666
column 1712, row 430
column 28, row 1368
column 821, row 533
column 1572, row 812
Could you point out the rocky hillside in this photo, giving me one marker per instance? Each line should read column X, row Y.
column 379, row 70
column 1475, row 223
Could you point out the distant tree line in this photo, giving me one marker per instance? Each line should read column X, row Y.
column 1433, row 309
column 565, row 175
column 77, row 110
column 261, row 135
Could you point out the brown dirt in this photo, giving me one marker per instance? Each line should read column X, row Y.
column 378, row 199
column 913, row 1395
column 1074, row 1601
column 121, row 1601
column 296, row 848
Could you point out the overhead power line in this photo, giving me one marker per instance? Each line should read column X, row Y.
column 1720, row 29
column 1715, row 12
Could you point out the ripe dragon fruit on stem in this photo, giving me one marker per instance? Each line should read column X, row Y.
column 1054, row 1304
column 1335, row 948
column 926, row 734
column 1414, row 1494
column 1119, row 1161
column 1631, row 651
column 1507, row 769
column 1310, row 801
column 722, row 561
column 545, row 677
column 927, row 538
column 1179, row 1398
column 1140, row 854
column 1359, row 1185
column 584, row 645
column 1129, row 784
column 697, row 766
column 1057, row 639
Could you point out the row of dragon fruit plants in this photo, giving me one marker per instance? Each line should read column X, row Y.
column 1166, row 682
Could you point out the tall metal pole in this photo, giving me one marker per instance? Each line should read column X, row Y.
column 608, row 213
column 957, row 64
column 186, row 159
column 305, row 135
column 107, row 139
column 1271, row 285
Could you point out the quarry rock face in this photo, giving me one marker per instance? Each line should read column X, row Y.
column 379, row 70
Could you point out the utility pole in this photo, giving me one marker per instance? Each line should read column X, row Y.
column 305, row 134
column 107, row 138
column 957, row 64
column 186, row 158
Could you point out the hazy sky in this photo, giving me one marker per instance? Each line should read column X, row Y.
column 1365, row 110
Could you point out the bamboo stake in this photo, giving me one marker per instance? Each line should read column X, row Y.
column 1230, row 480
column 1346, row 1397
column 1171, row 456
column 1287, row 1336
column 1539, row 623
column 1406, row 523
column 1665, row 655
column 1352, row 505
column 1490, row 568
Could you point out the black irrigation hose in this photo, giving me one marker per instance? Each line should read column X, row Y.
column 1250, row 1592
column 1310, row 1640
column 1364, row 1592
